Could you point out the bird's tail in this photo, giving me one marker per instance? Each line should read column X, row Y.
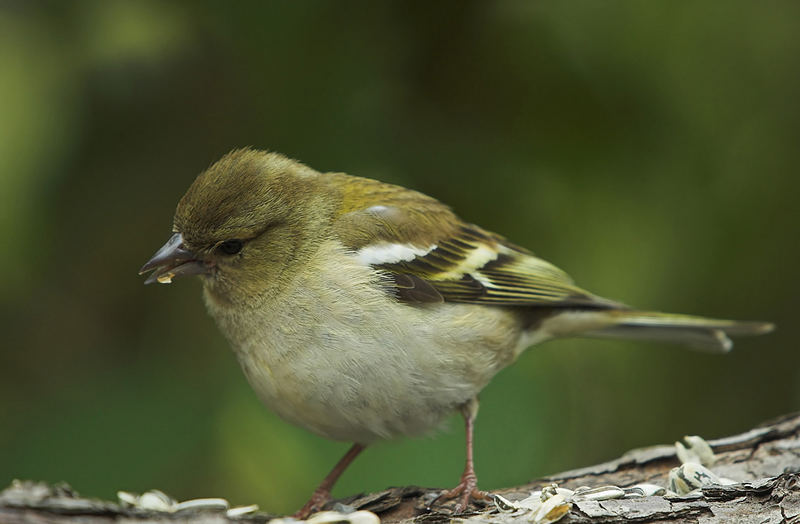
column 705, row 334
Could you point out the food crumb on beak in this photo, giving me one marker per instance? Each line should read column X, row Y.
column 166, row 278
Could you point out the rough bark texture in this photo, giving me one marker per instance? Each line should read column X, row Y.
column 765, row 461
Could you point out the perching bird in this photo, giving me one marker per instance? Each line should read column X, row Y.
column 363, row 311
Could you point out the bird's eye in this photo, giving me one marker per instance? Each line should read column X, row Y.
column 231, row 247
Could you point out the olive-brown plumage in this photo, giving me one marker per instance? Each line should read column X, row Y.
column 362, row 311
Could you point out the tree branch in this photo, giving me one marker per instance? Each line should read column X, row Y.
column 764, row 462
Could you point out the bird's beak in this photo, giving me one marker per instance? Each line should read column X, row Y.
column 173, row 260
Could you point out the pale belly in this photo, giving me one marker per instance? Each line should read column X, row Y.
column 373, row 368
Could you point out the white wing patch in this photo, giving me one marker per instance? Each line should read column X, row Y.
column 485, row 282
column 387, row 253
column 477, row 258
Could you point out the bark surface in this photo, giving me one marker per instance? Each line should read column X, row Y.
column 765, row 463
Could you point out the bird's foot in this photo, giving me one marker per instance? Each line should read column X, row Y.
column 467, row 489
column 322, row 494
column 314, row 504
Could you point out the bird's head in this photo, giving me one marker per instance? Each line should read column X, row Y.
column 244, row 225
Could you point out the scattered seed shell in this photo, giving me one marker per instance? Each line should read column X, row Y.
column 330, row 517
column 238, row 511
column 691, row 476
column 532, row 502
column 156, row 500
column 127, row 499
column 207, row 504
column 598, row 493
column 504, row 505
column 695, row 450
column 284, row 520
column 644, row 490
column 551, row 510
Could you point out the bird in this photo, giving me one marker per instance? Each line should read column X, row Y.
column 364, row 311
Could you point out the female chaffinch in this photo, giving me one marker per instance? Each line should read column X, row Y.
column 362, row 311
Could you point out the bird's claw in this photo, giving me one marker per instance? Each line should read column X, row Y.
column 468, row 489
column 314, row 504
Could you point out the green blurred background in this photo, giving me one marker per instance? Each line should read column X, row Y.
column 648, row 148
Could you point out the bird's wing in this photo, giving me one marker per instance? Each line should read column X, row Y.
column 429, row 255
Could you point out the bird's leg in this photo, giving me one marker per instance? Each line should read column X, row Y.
column 322, row 494
column 468, row 487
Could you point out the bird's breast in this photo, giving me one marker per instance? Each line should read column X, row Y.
column 338, row 355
